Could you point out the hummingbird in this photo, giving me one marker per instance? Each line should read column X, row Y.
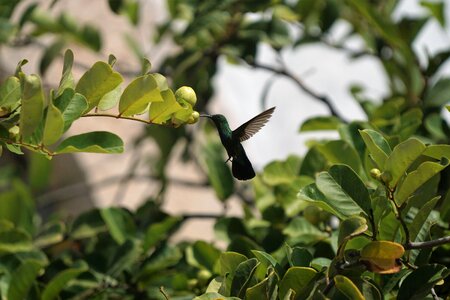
column 241, row 166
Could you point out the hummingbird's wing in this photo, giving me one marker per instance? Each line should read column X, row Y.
column 252, row 126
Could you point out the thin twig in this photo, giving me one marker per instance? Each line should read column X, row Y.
column 427, row 244
column 433, row 293
column 119, row 117
column 283, row 71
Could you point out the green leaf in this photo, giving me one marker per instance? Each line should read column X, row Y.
column 350, row 228
column 22, row 279
column 110, row 99
column 51, row 234
column 72, row 105
column 229, row 261
column 268, row 261
column 32, row 108
column 300, row 231
column 202, row 255
column 157, row 232
column 264, row 289
column 50, row 53
column 421, row 217
column 62, row 279
column 282, row 172
column 340, row 152
column 219, row 173
column 434, row 125
column 313, row 195
column 437, row 151
column 87, row 225
column 214, row 296
column 67, row 81
column 54, row 125
column 417, row 285
column 438, row 94
column 125, row 257
column 94, row 142
column 298, row 256
column 9, row 94
column 14, row 240
column 320, row 123
column 138, row 94
column 344, row 189
column 348, row 288
column 18, row 206
column 403, row 155
column 160, row 112
column 243, row 276
column 299, row 279
column 436, row 9
column 119, row 222
column 99, row 80
column 376, row 144
column 415, row 179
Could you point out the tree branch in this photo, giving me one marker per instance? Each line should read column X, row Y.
column 427, row 244
column 284, row 72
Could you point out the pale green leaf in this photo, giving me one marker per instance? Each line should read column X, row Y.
column 95, row 142
column 138, row 94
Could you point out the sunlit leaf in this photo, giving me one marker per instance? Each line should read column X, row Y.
column 99, row 80
column 382, row 256
column 138, row 94
column 403, row 155
column 348, row 288
column 32, row 107
column 95, row 142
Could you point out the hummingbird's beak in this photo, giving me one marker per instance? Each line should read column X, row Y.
column 205, row 116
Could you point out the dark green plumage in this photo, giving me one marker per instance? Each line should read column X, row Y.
column 242, row 168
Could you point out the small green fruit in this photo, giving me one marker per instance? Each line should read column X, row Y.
column 375, row 173
column 193, row 118
column 186, row 93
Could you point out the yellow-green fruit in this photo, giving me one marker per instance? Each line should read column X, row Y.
column 186, row 93
column 193, row 118
column 375, row 173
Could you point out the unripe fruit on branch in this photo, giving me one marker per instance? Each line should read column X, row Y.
column 186, row 94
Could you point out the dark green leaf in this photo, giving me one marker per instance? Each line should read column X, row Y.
column 298, row 279
column 49, row 55
column 60, row 280
column 218, row 172
column 417, row 285
column 22, row 279
column 119, row 222
column 243, row 277
column 202, row 255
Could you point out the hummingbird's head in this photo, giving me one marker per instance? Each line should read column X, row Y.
column 219, row 120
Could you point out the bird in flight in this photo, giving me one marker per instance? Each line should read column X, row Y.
column 241, row 166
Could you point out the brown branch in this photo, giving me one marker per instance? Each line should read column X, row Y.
column 427, row 244
column 284, row 72
column 119, row 117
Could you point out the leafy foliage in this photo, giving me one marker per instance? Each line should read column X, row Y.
column 361, row 216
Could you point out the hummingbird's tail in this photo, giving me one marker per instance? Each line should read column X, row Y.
column 241, row 166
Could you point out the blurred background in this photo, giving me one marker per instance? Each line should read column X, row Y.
column 306, row 62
